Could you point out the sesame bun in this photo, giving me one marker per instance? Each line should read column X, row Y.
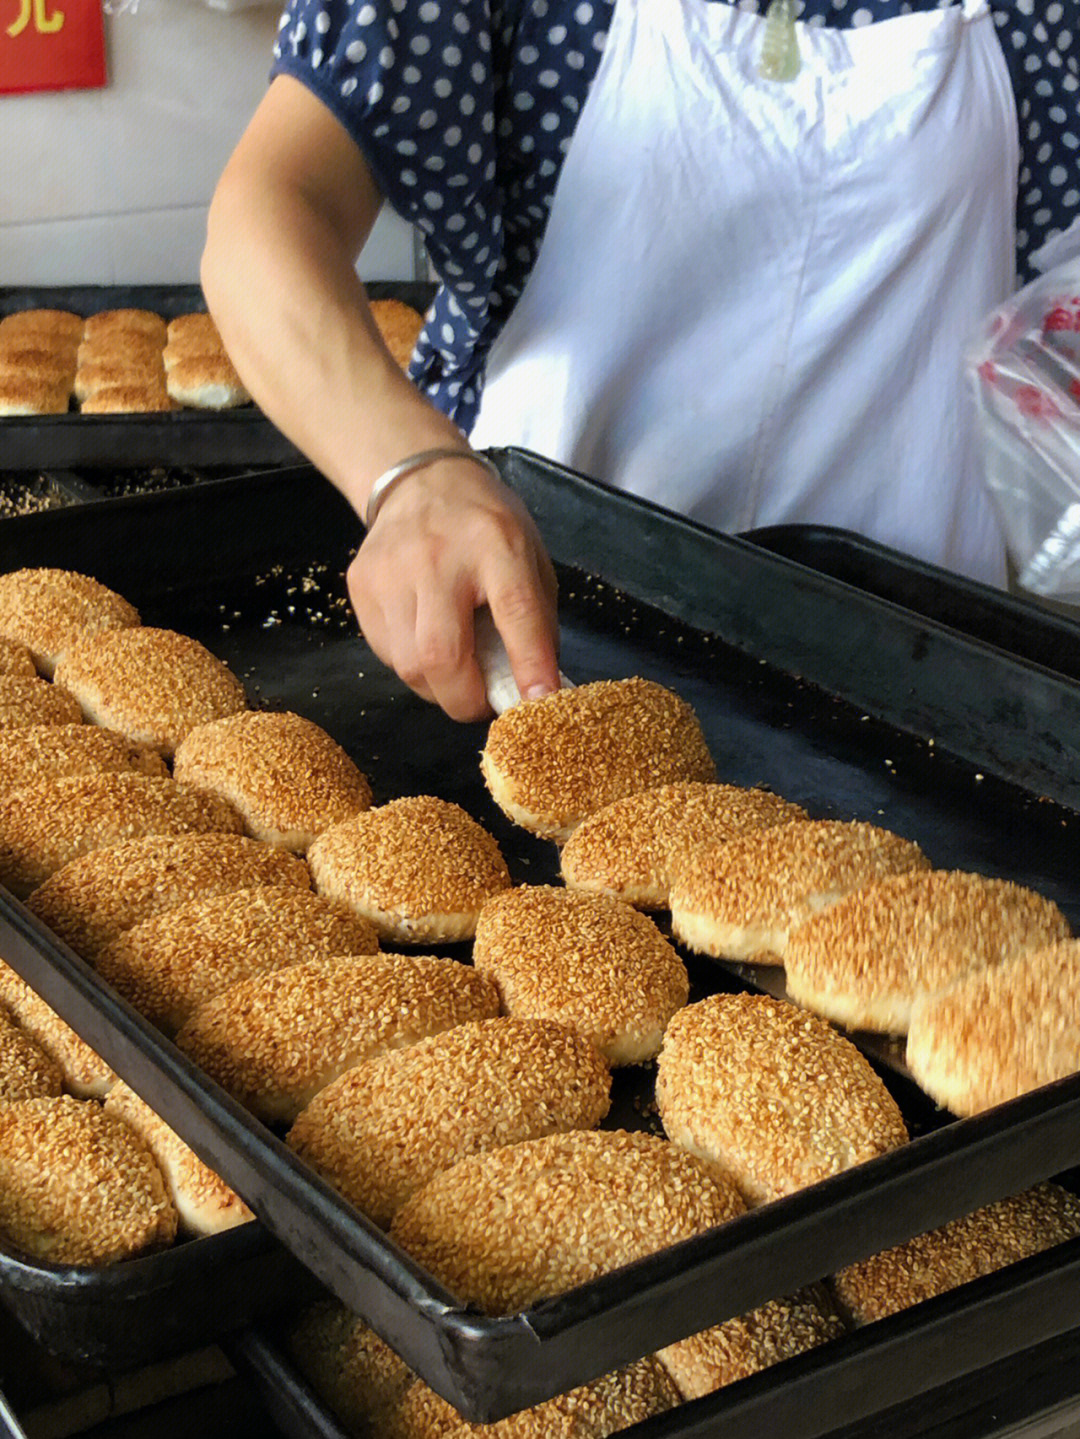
column 48, row 823
column 275, row 1040
column 109, row 322
column 77, row 1186
column 524, row 1222
column 56, row 324
column 84, row 1073
column 354, row 1371
column 40, row 752
column 399, row 325
column 865, row 960
column 170, row 964
column 26, row 395
column 195, row 330
column 419, row 869
column 958, row 1252
column 627, row 848
column 40, row 362
column 93, row 899
column 584, row 960
column 16, row 659
column 741, row 899
column 25, row 702
column 775, row 1095
column 127, row 348
column 206, row 382
column 287, row 777
column 204, row 1202
column 592, row 1411
column 26, row 1071
column 740, row 1347
column 115, row 371
column 390, row 1124
column 127, row 397
column 46, row 609
column 551, row 762
column 152, row 685
column 999, row 1032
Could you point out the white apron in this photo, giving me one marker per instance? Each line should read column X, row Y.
column 753, row 297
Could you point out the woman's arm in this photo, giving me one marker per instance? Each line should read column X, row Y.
column 291, row 213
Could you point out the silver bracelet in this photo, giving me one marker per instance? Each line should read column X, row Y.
column 388, row 480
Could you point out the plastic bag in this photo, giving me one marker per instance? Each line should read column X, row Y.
column 1025, row 371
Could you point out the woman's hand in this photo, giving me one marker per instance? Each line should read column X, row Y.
column 447, row 540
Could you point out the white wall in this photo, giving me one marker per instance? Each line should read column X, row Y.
column 111, row 186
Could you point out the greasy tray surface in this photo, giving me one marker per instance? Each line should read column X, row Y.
column 241, row 588
column 242, row 437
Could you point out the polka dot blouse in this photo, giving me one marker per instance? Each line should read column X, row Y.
column 466, row 108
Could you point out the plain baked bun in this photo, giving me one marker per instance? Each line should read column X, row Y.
column 585, row 960
column 999, row 1032
column 551, row 762
column 275, row 1040
column 628, row 849
column 419, row 869
column 168, row 965
column 740, row 900
column 152, row 685
column 389, row 1124
column 772, row 1093
column 865, row 960
column 287, row 777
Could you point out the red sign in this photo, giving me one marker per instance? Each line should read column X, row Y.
column 51, row 45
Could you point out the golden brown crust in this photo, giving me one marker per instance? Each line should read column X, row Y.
column 93, row 899
column 126, row 397
column 419, row 868
column 108, row 322
column 288, row 778
column 47, row 823
column 980, row 1243
column 389, row 1124
column 126, row 348
column 551, row 762
column 204, row 1203
column 275, row 1040
column 84, row 1073
column 357, row 1374
column 46, row 609
column 196, row 329
column 628, row 848
column 27, row 395
column 739, row 1347
column 55, row 323
column 584, row 960
column 25, row 702
column 153, row 685
column 26, row 1071
column 206, row 382
column 170, row 964
column 115, row 372
column 34, row 360
column 40, row 752
column 772, row 1093
column 741, row 899
column 399, row 324
column 999, row 1032
column 77, row 1186
column 518, row 1224
column 16, row 659
column 865, row 960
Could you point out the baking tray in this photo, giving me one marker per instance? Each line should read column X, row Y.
column 182, row 437
column 851, row 704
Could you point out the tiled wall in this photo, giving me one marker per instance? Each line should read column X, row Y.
column 111, row 186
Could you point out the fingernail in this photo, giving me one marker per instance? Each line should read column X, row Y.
column 536, row 692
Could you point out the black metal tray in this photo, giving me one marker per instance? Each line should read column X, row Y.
column 183, row 437
column 832, row 696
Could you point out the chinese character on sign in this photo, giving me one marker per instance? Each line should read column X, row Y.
column 51, row 45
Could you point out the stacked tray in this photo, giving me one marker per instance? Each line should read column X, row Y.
column 241, row 437
column 847, row 701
